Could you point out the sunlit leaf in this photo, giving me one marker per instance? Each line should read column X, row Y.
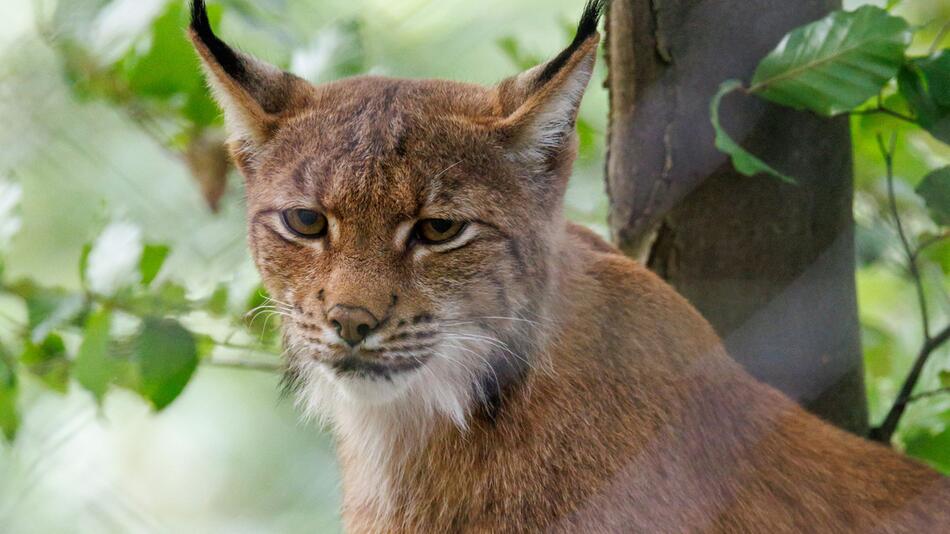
column 47, row 308
column 743, row 161
column 933, row 449
column 165, row 358
column 153, row 257
column 48, row 361
column 935, row 190
column 84, row 262
column 169, row 71
column 9, row 415
column 937, row 253
column 94, row 368
column 169, row 66
column 218, row 301
column 167, row 298
column 835, row 64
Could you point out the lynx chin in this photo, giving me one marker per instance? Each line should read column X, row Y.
column 487, row 366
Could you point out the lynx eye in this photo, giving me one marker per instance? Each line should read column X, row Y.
column 435, row 231
column 305, row 223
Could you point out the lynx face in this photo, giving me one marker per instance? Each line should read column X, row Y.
column 399, row 250
column 403, row 227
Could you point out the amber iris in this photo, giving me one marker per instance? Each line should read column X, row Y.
column 305, row 223
column 435, row 231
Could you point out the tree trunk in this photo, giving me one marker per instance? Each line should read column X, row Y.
column 771, row 265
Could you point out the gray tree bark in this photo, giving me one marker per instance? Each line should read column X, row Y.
column 771, row 265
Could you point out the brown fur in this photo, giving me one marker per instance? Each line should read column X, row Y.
column 601, row 400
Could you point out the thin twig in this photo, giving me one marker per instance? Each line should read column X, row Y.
column 246, row 365
column 881, row 110
column 927, row 394
column 932, row 240
column 248, row 348
column 912, row 267
column 940, row 35
column 885, row 431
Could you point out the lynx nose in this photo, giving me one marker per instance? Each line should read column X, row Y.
column 352, row 323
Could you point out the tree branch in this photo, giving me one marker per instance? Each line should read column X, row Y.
column 245, row 365
column 885, row 431
column 927, row 394
column 881, row 110
column 909, row 252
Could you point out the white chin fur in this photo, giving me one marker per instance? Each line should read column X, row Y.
column 370, row 391
column 384, row 420
column 447, row 385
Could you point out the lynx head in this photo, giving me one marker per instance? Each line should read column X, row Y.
column 408, row 229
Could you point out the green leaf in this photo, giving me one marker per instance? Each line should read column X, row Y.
column 48, row 361
column 47, row 308
column 935, row 190
column 217, row 303
column 168, row 67
column 9, row 416
column 165, row 358
column 742, row 160
column 936, row 70
column 153, row 257
column 167, row 298
column 932, row 448
column 170, row 71
column 94, row 368
column 937, row 253
column 945, row 378
column 84, row 262
column 925, row 83
column 835, row 64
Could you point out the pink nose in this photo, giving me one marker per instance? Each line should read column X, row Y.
column 352, row 323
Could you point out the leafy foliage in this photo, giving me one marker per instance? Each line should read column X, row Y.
column 156, row 360
column 935, row 190
column 835, row 64
column 165, row 357
column 742, row 160
column 94, row 368
column 829, row 67
column 925, row 83
column 9, row 416
column 856, row 62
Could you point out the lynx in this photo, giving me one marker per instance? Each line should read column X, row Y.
column 487, row 366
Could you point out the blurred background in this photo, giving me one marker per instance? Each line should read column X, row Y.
column 104, row 147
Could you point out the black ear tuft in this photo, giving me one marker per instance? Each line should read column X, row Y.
column 586, row 28
column 229, row 61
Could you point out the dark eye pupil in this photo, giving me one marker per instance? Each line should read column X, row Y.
column 307, row 217
column 441, row 225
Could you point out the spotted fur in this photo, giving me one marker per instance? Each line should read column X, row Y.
column 525, row 377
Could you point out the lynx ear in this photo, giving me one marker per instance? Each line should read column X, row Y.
column 542, row 103
column 254, row 95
